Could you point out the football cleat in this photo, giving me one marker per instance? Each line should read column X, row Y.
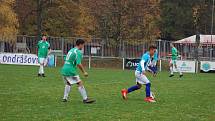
column 43, row 75
column 124, row 93
column 149, row 99
column 171, row 75
column 88, row 101
column 181, row 75
column 64, row 100
column 39, row 75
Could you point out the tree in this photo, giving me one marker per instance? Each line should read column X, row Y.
column 182, row 18
column 27, row 16
column 86, row 23
column 59, row 18
column 126, row 20
column 8, row 21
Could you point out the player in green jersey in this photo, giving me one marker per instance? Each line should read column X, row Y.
column 43, row 51
column 173, row 61
column 70, row 72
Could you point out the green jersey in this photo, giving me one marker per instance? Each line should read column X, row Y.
column 43, row 48
column 174, row 53
column 73, row 58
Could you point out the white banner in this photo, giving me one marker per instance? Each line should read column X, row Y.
column 186, row 66
column 93, row 50
column 18, row 58
column 207, row 66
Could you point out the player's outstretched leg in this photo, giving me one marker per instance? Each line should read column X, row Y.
column 83, row 93
column 41, row 68
column 66, row 92
column 179, row 70
column 148, row 94
column 181, row 74
column 41, row 71
column 171, row 70
column 124, row 92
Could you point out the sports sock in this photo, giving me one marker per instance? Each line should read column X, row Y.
column 148, row 91
column 66, row 91
column 133, row 88
column 42, row 69
column 171, row 70
column 179, row 71
column 83, row 92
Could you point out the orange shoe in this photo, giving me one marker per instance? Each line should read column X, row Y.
column 124, row 93
column 149, row 99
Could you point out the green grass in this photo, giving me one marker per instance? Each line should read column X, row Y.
column 25, row 97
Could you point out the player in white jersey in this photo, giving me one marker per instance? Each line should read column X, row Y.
column 141, row 78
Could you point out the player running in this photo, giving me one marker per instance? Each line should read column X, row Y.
column 70, row 74
column 43, row 51
column 140, row 75
column 174, row 57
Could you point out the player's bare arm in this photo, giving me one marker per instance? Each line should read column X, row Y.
column 49, row 51
column 81, row 67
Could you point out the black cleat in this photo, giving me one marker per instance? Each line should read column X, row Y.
column 39, row 75
column 88, row 101
column 64, row 100
column 43, row 75
column 171, row 75
column 181, row 75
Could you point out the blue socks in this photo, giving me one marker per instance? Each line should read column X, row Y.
column 148, row 86
column 133, row 88
column 136, row 87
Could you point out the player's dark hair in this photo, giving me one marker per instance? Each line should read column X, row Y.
column 152, row 47
column 79, row 42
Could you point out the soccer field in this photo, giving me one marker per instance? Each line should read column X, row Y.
column 26, row 97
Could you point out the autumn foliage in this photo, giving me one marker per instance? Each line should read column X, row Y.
column 110, row 20
column 8, row 21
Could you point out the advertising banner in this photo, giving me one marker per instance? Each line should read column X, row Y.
column 24, row 59
column 207, row 66
column 186, row 66
column 51, row 61
column 131, row 63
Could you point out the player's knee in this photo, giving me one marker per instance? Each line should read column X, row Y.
column 68, row 83
column 148, row 85
column 80, row 84
column 139, row 85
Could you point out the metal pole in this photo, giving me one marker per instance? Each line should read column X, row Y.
column 89, row 62
column 197, row 51
column 123, row 63
column 159, row 49
column 102, row 47
column 164, row 49
column 212, row 24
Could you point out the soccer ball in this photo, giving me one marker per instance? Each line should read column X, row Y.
column 152, row 95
